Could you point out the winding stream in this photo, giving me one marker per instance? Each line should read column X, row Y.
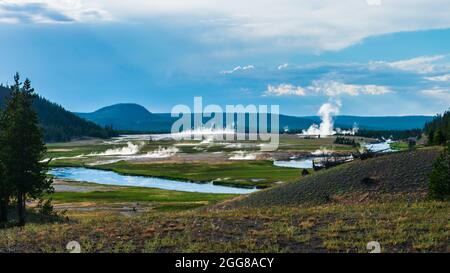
column 113, row 178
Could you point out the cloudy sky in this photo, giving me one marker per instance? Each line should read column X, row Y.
column 376, row 57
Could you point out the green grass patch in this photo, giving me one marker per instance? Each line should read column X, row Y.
column 241, row 173
column 399, row 146
column 137, row 194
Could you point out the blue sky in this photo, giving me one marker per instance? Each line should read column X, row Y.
column 374, row 57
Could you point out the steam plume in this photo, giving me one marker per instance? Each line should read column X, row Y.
column 326, row 127
column 326, row 112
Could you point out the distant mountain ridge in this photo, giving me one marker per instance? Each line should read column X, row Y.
column 57, row 123
column 134, row 117
column 129, row 116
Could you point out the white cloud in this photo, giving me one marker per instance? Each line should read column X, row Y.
column 9, row 20
column 317, row 25
column 441, row 78
column 284, row 90
column 231, row 71
column 438, row 93
column 51, row 11
column 327, row 88
column 335, row 88
column 238, row 68
column 421, row 64
column 283, row 66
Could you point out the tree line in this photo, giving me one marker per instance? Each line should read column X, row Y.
column 346, row 141
column 438, row 130
column 438, row 133
column 22, row 174
column 390, row 134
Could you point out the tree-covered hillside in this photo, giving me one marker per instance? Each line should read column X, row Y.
column 438, row 130
column 59, row 124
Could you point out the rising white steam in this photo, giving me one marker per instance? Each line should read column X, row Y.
column 241, row 155
column 130, row 149
column 160, row 153
column 322, row 152
column 325, row 128
column 350, row 132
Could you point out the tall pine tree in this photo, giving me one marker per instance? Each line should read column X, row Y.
column 22, row 147
column 5, row 186
column 5, row 194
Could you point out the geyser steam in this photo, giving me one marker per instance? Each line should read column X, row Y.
column 326, row 112
column 326, row 127
column 130, row 149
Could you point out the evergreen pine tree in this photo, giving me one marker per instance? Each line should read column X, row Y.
column 23, row 148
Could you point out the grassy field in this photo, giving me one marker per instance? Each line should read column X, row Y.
column 293, row 143
column 399, row 146
column 114, row 194
column 238, row 173
column 74, row 148
column 398, row 226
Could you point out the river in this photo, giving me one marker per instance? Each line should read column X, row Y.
column 113, row 178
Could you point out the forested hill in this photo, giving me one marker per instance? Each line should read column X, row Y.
column 438, row 130
column 59, row 124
